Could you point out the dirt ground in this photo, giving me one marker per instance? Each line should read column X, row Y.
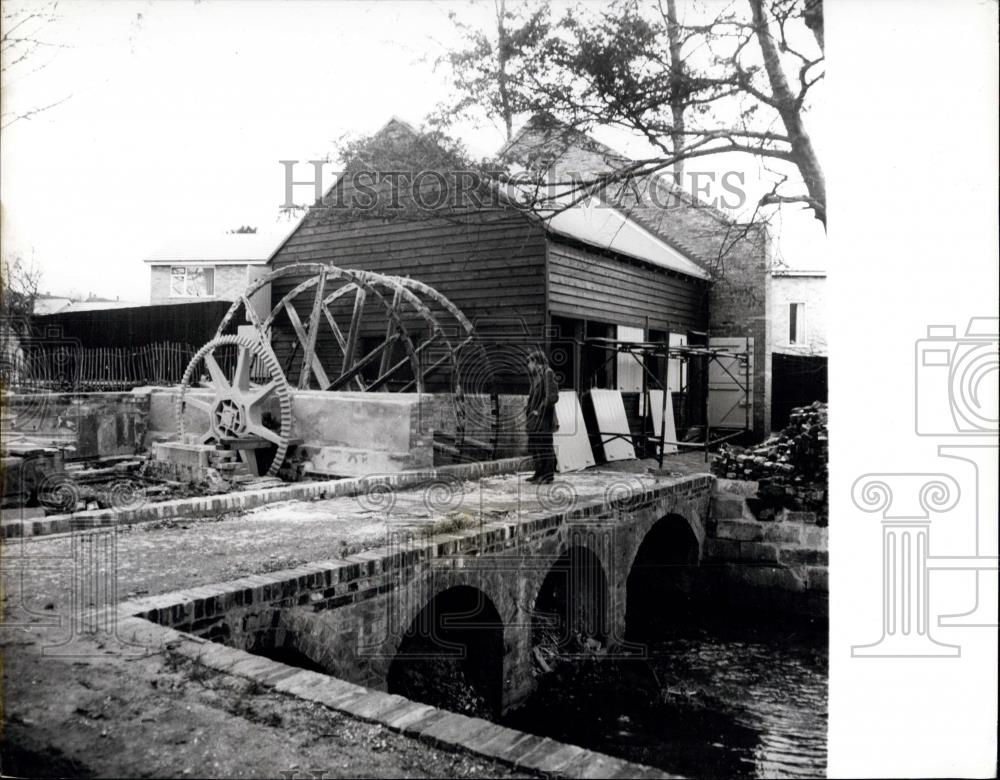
column 98, row 709
column 164, row 716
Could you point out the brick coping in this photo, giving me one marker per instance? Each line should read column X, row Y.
column 441, row 728
column 148, row 620
column 200, row 506
column 261, row 589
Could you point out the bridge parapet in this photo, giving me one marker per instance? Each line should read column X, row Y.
column 350, row 615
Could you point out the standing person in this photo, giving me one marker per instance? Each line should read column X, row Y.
column 541, row 416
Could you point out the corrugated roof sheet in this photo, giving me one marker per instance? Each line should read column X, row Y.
column 599, row 224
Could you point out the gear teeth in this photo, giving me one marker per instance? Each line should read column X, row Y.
column 266, row 356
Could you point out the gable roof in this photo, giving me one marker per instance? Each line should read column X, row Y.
column 685, row 223
column 250, row 248
column 598, row 224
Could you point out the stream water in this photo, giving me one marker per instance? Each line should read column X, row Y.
column 708, row 701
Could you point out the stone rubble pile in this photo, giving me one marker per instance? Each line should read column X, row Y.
column 790, row 467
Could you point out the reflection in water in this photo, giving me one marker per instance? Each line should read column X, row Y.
column 707, row 702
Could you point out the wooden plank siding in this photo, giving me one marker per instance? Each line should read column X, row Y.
column 490, row 264
column 585, row 284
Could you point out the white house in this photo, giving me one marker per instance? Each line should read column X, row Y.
column 219, row 266
column 798, row 312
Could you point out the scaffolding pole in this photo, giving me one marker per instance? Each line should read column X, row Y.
column 646, row 349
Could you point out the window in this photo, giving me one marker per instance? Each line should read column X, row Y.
column 796, row 323
column 192, row 281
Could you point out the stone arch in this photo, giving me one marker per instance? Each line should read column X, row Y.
column 451, row 654
column 662, row 578
column 574, row 598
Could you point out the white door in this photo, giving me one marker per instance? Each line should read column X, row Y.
column 729, row 405
column 677, row 370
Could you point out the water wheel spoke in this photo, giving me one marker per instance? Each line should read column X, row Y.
column 341, row 342
column 219, row 379
column 251, row 313
column 206, row 437
column 314, row 365
column 386, row 375
column 359, row 366
column 311, row 333
column 241, row 379
column 257, row 429
column 258, row 394
column 443, row 359
column 355, row 331
column 389, row 326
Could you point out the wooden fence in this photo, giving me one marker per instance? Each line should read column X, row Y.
column 44, row 368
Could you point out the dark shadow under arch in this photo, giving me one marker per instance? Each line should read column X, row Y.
column 572, row 602
column 451, row 656
column 662, row 586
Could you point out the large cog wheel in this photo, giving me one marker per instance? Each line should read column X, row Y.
column 236, row 410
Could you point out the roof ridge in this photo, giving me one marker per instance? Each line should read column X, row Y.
column 547, row 123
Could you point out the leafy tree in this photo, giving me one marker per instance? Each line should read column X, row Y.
column 706, row 81
column 485, row 72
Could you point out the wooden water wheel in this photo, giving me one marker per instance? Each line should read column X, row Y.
column 338, row 329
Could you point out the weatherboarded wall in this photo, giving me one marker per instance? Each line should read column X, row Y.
column 586, row 284
column 490, row 264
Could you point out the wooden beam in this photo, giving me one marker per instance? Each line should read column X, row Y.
column 310, row 345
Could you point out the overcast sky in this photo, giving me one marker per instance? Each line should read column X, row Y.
column 178, row 112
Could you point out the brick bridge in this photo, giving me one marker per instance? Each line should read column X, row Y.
column 569, row 563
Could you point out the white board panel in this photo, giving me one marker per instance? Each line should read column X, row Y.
column 656, row 407
column 727, row 402
column 573, row 451
column 609, row 411
column 629, row 372
column 677, row 376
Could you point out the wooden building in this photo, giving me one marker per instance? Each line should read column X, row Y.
column 588, row 271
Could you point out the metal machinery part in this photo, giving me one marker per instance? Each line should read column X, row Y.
column 237, row 407
column 419, row 337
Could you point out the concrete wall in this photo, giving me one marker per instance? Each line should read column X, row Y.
column 810, row 290
column 355, row 434
column 90, row 425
